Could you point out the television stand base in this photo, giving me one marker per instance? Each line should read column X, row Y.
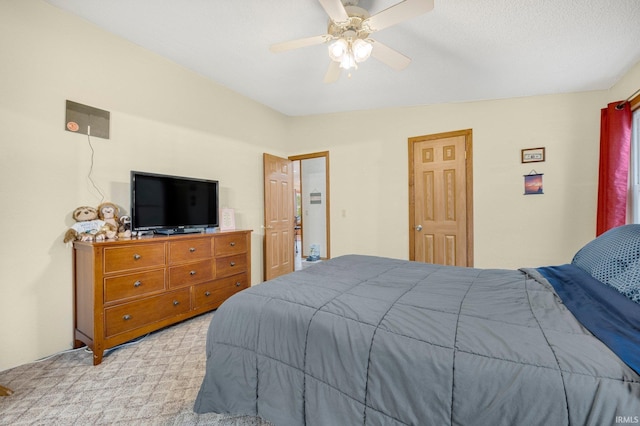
column 179, row 231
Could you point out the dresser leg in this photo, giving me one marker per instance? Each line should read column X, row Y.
column 97, row 355
column 5, row 391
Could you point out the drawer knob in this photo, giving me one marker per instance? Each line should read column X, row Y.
column 192, row 272
column 207, row 293
column 136, row 256
column 233, row 264
column 233, row 244
column 192, row 249
column 176, row 303
column 238, row 284
column 126, row 317
column 137, row 284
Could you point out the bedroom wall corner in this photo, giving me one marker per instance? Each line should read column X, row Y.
column 164, row 118
column 628, row 84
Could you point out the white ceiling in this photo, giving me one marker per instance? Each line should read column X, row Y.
column 463, row 50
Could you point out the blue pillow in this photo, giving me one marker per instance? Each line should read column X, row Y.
column 614, row 259
column 628, row 282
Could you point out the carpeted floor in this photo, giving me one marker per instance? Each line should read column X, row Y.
column 153, row 381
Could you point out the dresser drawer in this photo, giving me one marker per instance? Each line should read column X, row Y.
column 133, row 285
column 126, row 258
column 129, row 316
column 225, row 245
column 189, row 250
column 231, row 265
column 191, row 273
column 215, row 292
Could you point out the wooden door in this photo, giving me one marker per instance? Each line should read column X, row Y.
column 440, row 204
column 279, row 218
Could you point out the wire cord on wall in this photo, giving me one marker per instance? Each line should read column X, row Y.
column 91, row 166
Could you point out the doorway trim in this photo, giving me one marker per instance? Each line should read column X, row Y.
column 325, row 155
column 468, row 135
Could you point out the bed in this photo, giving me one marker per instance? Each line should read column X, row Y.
column 379, row 341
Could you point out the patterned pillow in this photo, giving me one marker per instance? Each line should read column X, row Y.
column 614, row 259
column 628, row 282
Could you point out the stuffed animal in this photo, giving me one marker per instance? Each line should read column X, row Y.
column 108, row 212
column 87, row 227
column 124, row 230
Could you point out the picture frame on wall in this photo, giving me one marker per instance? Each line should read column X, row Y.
column 533, row 183
column 227, row 219
column 532, row 155
column 315, row 198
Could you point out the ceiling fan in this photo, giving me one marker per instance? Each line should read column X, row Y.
column 348, row 34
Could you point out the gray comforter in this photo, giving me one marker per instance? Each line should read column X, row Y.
column 376, row 341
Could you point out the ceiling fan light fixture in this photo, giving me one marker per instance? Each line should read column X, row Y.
column 338, row 49
column 361, row 50
column 347, row 62
column 349, row 53
column 348, row 32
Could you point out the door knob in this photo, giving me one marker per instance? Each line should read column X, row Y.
column 419, row 228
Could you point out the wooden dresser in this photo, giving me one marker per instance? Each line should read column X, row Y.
column 127, row 288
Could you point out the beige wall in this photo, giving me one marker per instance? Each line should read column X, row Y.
column 627, row 86
column 164, row 119
column 369, row 175
column 167, row 119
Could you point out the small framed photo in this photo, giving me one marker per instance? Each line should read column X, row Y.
column 533, row 184
column 532, row 155
column 227, row 220
column 315, row 198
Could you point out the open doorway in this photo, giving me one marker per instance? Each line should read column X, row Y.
column 311, row 199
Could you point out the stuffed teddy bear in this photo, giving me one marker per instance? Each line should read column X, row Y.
column 108, row 212
column 87, row 227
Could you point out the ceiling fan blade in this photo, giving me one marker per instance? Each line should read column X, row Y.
column 301, row 42
column 333, row 73
column 389, row 56
column 335, row 9
column 397, row 13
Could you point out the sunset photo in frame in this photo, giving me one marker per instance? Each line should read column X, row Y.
column 532, row 155
column 533, row 184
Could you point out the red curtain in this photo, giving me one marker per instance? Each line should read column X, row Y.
column 615, row 143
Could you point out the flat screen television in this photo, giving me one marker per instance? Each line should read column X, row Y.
column 172, row 204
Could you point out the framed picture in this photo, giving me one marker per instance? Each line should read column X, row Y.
column 532, row 155
column 533, row 184
column 227, row 220
column 315, row 198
